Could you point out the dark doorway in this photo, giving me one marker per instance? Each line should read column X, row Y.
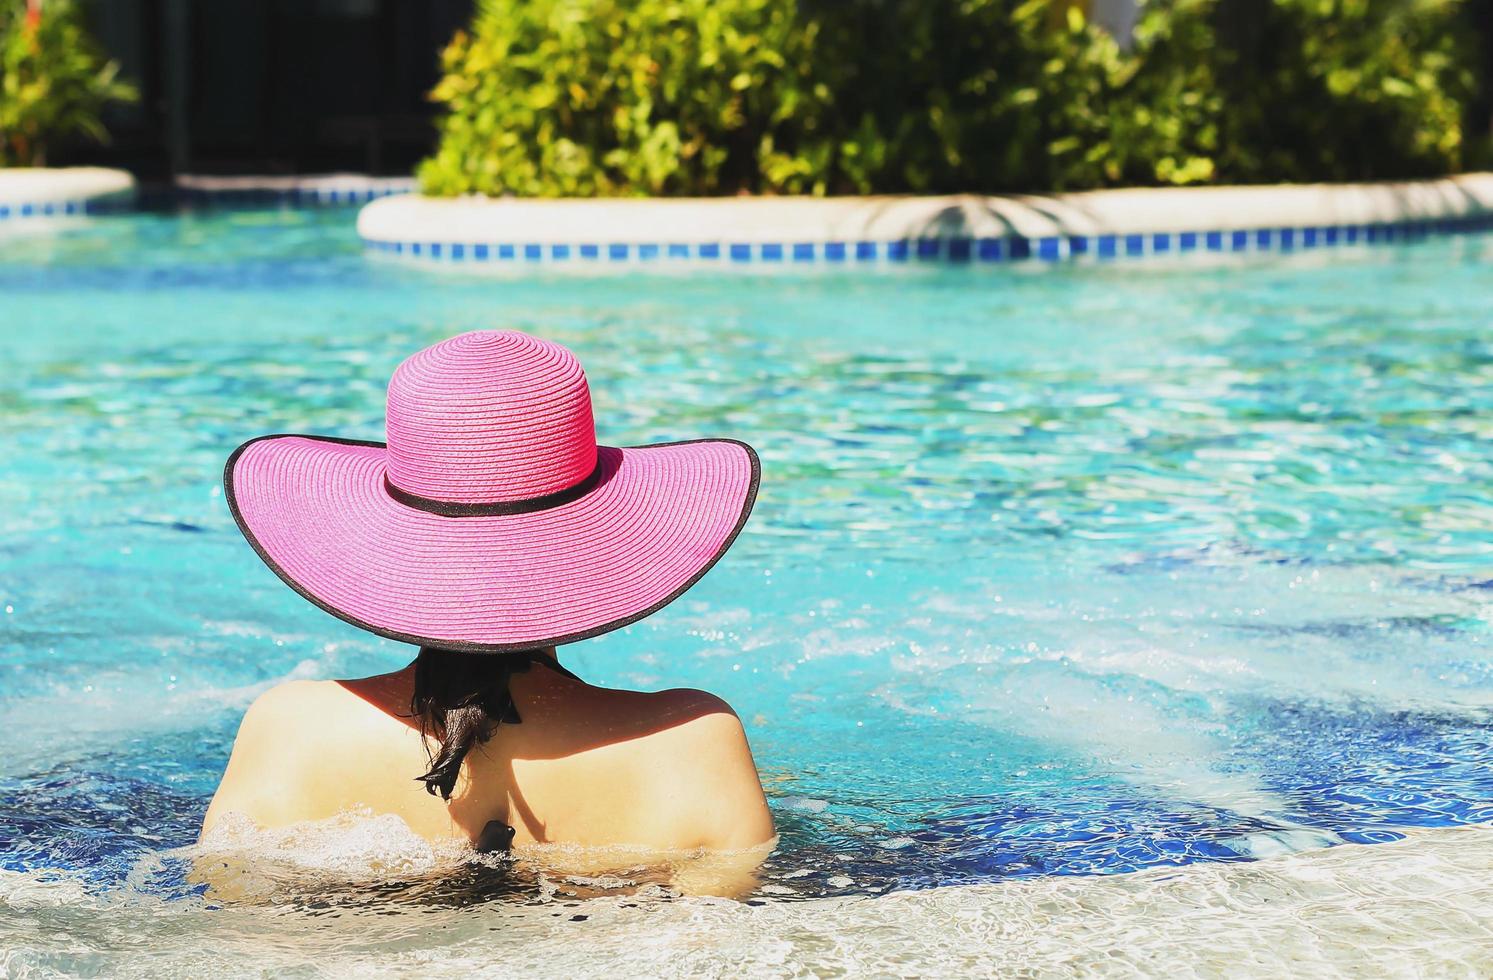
column 271, row 86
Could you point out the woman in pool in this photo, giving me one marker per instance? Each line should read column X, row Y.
column 490, row 529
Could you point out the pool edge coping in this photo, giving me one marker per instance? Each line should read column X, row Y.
column 981, row 228
column 30, row 194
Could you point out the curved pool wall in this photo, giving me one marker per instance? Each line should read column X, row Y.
column 319, row 190
column 957, row 228
column 42, row 194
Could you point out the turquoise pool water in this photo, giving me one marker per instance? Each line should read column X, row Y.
column 1057, row 571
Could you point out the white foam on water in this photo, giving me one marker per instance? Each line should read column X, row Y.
column 342, row 855
column 1138, row 675
column 1419, row 906
column 246, row 863
column 117, row 702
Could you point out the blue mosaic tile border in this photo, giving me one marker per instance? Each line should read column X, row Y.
column 294, row 197
column 1005, row 249
column 16, row 210
column 254, row 197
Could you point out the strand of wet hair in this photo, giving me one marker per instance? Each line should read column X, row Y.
column 459, row 700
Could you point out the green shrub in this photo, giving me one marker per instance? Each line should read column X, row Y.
column 1162, row 107
column 53, row 82
column 975, row 95
column 598, row 97
column 1303, row 90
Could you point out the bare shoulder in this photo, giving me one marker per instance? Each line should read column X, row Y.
column 288, row 696
column 684, row 703
column 698, row 722
column 271, row 755
column 704, row 765
column 277, row 720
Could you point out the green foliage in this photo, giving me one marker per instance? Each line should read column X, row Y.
column 53, row 81
column 1302, row 90
column 974, row 95
column 1163, row 103
column 605, row 97
column 600, row 97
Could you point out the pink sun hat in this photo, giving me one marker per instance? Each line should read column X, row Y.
column 491, row 520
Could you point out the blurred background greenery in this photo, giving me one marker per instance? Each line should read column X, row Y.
column 53, row 81
column 559, row 97
column 687, row 97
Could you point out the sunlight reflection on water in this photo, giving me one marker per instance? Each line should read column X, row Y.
column 1056, row 571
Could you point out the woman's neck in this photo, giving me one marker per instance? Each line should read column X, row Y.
column 392, row 692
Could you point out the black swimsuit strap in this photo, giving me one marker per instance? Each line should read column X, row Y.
column 519, row 661
column 554, row 665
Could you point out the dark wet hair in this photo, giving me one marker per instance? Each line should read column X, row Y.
column 460, row 700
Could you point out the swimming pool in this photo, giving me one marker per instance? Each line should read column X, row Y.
column 1059, row 574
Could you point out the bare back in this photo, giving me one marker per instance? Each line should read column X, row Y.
column 587, row 766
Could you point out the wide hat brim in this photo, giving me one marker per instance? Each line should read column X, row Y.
column 655, row 519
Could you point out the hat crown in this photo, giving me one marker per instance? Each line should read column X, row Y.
column 490, row 416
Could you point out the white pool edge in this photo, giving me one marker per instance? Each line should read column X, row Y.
column 1410, row 907
column 300, row 190
column 37, row 194
column 1100, row 224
